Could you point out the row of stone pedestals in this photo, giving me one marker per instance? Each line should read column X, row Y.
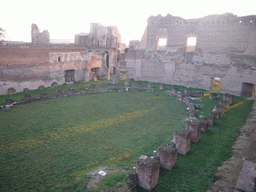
column 148, row 167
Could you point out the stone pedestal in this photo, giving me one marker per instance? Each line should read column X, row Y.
column 193, row 126
column 187, row 92
column 114, row 79
column 150, row 85
column 213, row 96
column 204, row 126
column 210, row 119
column 162, row 87
column 148, row 172
column 127, row 82
column 224, row 102
column 182, row 141
column 228, row 97
column 168, row 156
column 220, row 108
column 216, row 114
column 175, row 89
column 28, row 97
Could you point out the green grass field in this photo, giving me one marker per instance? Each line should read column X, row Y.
column 52, row 145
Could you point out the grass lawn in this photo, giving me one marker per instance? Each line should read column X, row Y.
column 52, row 145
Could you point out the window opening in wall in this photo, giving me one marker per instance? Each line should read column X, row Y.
column 191, row 44
column 59, row 59
column 248, row 90
column 161, row 44
column 98, row 43
column 215, row 84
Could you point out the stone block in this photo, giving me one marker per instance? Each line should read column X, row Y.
column 168, row 156
column 224, row 102
column 54, row 84
column 58, row 91
column 247, row 177
column 28, row 97
column 193, row 126
column 103, row 84
column 216, row 114
column 220, row 108
column 228, row 97
column 26, row 90
column 213, row 96
column 148, row 172
column 138, row 85
column 175, row 89
column 127, row 82
column 150, row 85
column 187, row 92
column 210, row 119
column 182, row 141
column 9, row 101
column 197, row 94
column 11, row 91
column 133, row 180
column 41, row 87
column 44, row 95
column 162, row 87
column 83, row 88
column 114, row 79
column 71, row 90
column 204, row 126
column 94, row 86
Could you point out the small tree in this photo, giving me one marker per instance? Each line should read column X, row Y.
column 2, row 34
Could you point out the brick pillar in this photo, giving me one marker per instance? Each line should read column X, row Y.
column 228, row 97
column 213, row 96
column 224, row 102
column 148, row 172
column 168, row 156
column 193, row 126
column 187, row 92
column 175, row 89
column 220, row 108
column 182, row 141
column 216, row 114
column 204, row 126
column 210, row 119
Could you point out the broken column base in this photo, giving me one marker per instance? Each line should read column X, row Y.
column 168, row 156
column 148, row 172
column 193, row 126
column 182, row 141
column 204, row 126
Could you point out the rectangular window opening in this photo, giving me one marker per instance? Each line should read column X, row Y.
column 191, row 44
column 161, row 44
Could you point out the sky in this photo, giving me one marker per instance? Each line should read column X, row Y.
column 63, row 19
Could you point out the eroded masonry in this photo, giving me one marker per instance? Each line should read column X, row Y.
column 39, row 63
column 196, row 52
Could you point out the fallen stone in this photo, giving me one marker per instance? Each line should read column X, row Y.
column 162, row 87
column 26, row 90
column 213, row 96
column 198, row 106
column 28, row 97
column 41, row 87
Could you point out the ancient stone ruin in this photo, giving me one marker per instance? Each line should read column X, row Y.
column 196, row 52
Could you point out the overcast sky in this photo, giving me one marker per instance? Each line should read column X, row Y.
column 63, row 19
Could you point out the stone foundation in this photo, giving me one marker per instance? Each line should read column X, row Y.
column 182, row 141
column 220, row 108
column 228, row 97
column 204, row 126
column 168, row 156
column 210, row 119
column 216, row 114
column 148, row 172
column 226, row 103
column 193, row 126
column 213, row 96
